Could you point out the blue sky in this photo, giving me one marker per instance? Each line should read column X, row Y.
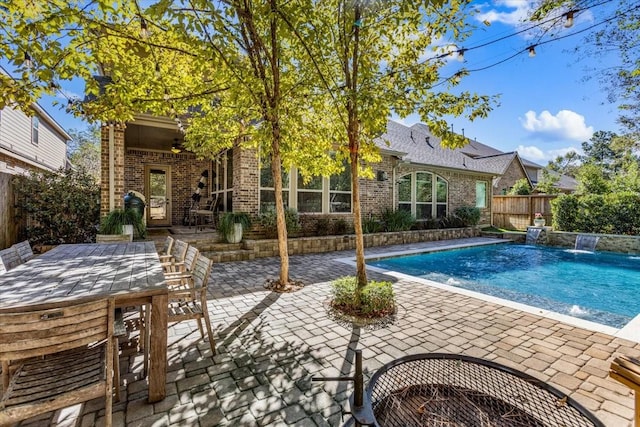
column 546, row 106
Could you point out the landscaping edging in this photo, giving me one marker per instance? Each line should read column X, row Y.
column 606, row 242
column 307, row 245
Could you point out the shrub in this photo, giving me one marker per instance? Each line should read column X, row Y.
column 268, row 222
column 469, row 215
column 451, row 221
column 370, row 225
column 377, row 298
column 520, row 187
column 61, row 207
column 615, row 213
column 340, row 226
column 398, row 220
column 322, row 226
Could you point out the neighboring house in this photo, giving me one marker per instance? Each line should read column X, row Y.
column 415, row 174
column 27, row 143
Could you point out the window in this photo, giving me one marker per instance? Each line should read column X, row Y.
column 481, row 194
column 424, row 194
column 223, row 180
column 317, row 195
column 35, row 124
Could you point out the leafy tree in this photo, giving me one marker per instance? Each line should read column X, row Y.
column 592, row 180
column 521, row 187
column 548, row 182
column 599, row 150
column 84, row 150
column 566, row 165
column 370, row 60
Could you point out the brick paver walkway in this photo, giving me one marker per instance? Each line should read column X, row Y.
column 269, row 346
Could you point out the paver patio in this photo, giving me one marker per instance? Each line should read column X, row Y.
column 269, row 346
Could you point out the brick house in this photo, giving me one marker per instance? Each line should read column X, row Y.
column 416, row 174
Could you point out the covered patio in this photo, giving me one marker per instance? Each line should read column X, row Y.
column 269, row 346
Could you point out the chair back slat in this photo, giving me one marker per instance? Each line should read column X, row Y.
column 24, row 250
column 10, row 258
column 31, row 331
column 168, row 246
column 201, row 271
column 179, row 250
column 191, row 257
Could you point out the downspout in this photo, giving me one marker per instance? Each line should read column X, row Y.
column 112, row 161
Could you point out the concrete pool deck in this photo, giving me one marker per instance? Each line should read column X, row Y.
column 269, row 346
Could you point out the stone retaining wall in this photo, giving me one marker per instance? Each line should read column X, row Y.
column 307, row 245
column 607, row 242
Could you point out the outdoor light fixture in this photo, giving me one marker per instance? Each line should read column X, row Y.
column 175, row 148
column 27, row 60
column 532, row 51
column 569, row 22
column 144, row 30
column 461, row 55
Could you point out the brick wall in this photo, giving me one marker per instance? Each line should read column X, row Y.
column 185, row 174
column 513, row 173
column 246, row 180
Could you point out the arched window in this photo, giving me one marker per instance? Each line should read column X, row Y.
column 424, row 194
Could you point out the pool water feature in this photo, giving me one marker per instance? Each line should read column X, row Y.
column 600, row 287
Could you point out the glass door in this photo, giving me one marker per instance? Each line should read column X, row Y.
column 158, row 188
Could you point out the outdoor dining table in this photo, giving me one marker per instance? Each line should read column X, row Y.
column 128, row 272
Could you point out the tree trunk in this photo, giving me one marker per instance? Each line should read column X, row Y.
column 276, row 170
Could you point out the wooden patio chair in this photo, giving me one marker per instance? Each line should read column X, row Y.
column 60, row 355
column 24, row 250
column 9, row 258
column 188, row 298
column 166, row 248
column 178, row 252
column 208, row 214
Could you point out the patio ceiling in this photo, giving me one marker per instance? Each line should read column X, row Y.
column 148, row 134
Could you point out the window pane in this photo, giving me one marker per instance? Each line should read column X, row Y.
column 340, row 202
column 424, row 189
column 266, row 177
column 481, row 194
column 314, row 184
column 441, row 210
column 309, row 202
column 423, row 211
column 229, row 206
column 268, row 200
column 442, row 190
column 404, row 189
column 229, row 169
column 341, row 182
column 404, row 207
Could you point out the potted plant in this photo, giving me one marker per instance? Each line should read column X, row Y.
column 121, row 222
column 539, row 220
column 231, row 226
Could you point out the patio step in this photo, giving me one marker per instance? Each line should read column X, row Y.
column 229, row 256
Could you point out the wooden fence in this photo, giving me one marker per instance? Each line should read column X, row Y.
column 8, row 225
column 517, row 212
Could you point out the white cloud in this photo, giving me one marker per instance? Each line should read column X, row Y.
column 562, row 151
column 566, row 124
column 531, row 153
column 510, row 12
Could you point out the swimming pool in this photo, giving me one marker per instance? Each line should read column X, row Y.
column 600, row 287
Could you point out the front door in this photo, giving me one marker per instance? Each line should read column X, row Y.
column 158, row 186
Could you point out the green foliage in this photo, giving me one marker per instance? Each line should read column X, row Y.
column 613, row 213
column 83, row 150
column 61, row 207
column 268, row 222
column 376, row 300
column 592, row 180
column 322, row 226
column 548, row 182
column 469, row 215
column 397, row 220
column 451, row 221
column 371, row 225
column 228, row 220
column 521, row 187
column 114, row 221
column 340, row 226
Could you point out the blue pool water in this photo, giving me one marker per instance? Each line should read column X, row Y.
column 601, row 287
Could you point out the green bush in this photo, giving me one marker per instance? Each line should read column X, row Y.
column 322, row 226
column 377, row 297
column 268, row 222
column 520, row 187
column 397, row 220
column 451, row 221
column 340, row 226
column 371, row 225
column 469, row 215
column 61, row 207
column 614, row 213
